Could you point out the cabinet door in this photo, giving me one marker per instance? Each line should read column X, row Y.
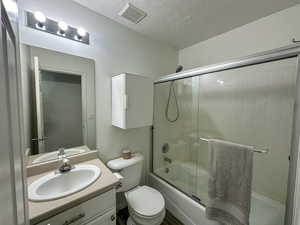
column 108, row 218
column 119, row 101
column 139, row 105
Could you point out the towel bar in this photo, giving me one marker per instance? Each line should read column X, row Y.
column 253, row 148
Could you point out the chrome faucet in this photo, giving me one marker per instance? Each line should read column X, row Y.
column 61, row 153
column 65, row 165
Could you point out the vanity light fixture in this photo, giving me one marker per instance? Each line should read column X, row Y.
column 63, row 27
column 80, row 33
column 41, row 20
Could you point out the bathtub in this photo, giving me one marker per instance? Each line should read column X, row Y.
column 179, row 204
column 264, row 211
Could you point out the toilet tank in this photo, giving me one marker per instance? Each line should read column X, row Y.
column 131, row 169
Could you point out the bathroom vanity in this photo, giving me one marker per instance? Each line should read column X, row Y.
column 92, row 205
column 100, row 210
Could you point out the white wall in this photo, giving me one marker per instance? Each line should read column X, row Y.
column 115, row 49
column 270, row 32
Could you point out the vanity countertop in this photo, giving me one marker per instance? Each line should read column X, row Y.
column 39, row 211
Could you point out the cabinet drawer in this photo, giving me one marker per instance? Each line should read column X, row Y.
column 108, row 218
column 85, row 211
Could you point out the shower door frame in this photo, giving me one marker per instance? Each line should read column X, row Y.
column 292, row 216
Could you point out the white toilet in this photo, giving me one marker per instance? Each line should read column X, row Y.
column 146, row 205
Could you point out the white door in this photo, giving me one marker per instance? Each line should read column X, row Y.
column 108, row 218
column 39, row 139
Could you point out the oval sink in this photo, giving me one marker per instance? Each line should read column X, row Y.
column 53, row 155
column 56, row 185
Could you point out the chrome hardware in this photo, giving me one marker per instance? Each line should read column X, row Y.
column 61, row 152
column 112, row 217
column 74, row 219
column 65, row 165
column 39, row 139
column 166, row 159
column 253, row 148
column 165, row 148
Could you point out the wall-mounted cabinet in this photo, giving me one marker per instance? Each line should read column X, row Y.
column 132, row 101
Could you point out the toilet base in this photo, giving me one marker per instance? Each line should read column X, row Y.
column 130, row 221
column 136, row 220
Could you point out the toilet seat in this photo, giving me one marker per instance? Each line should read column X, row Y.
column 145, row 201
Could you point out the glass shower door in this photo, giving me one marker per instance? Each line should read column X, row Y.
column 251, row 105
column 254, row 106
column 175, row 133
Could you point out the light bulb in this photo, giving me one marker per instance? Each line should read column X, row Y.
column 81, row 32
column 11, row 6
column 40, row 17
column 63, row 25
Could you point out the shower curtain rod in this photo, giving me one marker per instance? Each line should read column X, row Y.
column 253, row 148
column 267, row 56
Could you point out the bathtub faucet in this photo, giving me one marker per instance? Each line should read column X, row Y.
column 166, row 159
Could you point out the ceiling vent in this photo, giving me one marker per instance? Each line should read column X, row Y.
column 132, row 13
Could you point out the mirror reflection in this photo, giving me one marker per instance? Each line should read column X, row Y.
column 61, row 89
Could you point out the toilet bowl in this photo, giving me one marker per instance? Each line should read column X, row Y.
column 146, row 206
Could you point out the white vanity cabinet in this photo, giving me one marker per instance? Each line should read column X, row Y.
column 100, row 210
column 132, row 101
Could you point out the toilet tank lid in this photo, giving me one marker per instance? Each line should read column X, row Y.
column 120, row 163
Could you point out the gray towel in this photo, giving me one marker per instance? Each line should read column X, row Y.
column 229, row 185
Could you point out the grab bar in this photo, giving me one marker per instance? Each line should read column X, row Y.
column 253, row 148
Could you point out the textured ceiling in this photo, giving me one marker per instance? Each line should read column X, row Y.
column 182, row 23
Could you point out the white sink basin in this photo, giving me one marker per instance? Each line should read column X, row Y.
column 53, row 155
column 57, row 185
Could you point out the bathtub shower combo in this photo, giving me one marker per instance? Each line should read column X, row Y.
column 252, row 101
